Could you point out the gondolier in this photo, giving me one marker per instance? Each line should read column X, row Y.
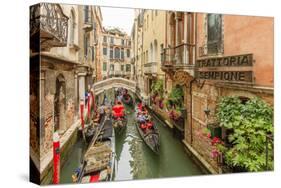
column 119, row 117
column 118, row 110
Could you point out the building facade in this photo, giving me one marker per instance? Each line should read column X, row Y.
column 204, row 57
column 243, row 67
column 148, row 35
column 63, row 64
column 116, row 51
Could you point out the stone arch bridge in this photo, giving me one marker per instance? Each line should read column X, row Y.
column 110, row 83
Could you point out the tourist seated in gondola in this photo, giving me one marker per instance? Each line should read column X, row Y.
column 149, row 123
column 144, row 110
column 143, row 126
column 141, row 118
column 118, row 110
column 140, row 106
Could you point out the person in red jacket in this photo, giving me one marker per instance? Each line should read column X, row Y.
column 118, row 110
column 143, row 127
column 140, row 106
column 149, row 124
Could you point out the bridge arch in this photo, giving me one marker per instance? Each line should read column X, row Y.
column 110, row 83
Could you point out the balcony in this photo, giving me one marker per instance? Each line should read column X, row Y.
column 150, row 68
column 48, row 26
column 181, row 57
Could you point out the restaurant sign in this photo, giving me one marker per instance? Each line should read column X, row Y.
column 229, row 68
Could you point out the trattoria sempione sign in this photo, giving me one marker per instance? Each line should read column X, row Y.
column 229, row 68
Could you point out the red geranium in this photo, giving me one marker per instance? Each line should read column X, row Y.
column 216, row 140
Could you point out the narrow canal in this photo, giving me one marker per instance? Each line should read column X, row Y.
column 135, row 160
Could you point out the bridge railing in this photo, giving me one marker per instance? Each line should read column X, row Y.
column 114, row 82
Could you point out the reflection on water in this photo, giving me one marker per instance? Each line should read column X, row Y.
column 73, row 161
column 134, row 160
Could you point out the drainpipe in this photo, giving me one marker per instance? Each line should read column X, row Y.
column 193, row 80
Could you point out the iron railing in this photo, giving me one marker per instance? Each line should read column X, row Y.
column 174, row 56
column 150, row 68
column 50, row 22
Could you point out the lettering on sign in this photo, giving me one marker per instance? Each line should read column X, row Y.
column 239, row 60
column 216, row 68
column 240, row 76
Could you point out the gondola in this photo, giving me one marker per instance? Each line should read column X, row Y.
column 119, row 124
column 127, row 99
column 93, row 127
column 99, row 159
column 151, row 137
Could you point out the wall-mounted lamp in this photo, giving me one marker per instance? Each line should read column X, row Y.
column 207, row 111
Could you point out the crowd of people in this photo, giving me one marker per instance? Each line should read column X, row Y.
column 118, row 111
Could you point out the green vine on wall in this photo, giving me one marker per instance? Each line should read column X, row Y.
column 251, row 123
column 157, row 87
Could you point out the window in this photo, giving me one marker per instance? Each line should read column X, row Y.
column 128, row 68
column 72, row 26
column 111, row 53
column 104, row 67
column 104, row 39
column 128, row 53
column 104, row 51
column 129, row 43
column 123, row 42
column 162, row 52
column 93, row 53
column 87, row 14
column 156, row 12
column 117, row 53
column 122, row 67
column 122, row 53
column 214, row 30
column 146, row 60
column 111, row 40
column 147, row 21
column 86, row 45
column 112, row 67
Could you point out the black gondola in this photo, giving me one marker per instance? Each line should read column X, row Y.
column 120, row 124
column 151, row 137
column 91, row 129
column 99, row 159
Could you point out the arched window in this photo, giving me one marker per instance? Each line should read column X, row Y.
column 72, row 27
column 60, row 103
column 117, row 53
column 150, row 53
column 155, row 57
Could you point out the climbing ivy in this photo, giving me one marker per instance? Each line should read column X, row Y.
column 251, row 123
column 176, row 96
column 157, row 87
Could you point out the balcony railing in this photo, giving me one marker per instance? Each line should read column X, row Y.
column 49, row 24
column 150, row 68
column 182, row 55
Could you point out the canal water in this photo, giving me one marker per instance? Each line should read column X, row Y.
column 134, row 160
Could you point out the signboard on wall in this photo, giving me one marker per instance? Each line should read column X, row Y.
column 229, row 68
